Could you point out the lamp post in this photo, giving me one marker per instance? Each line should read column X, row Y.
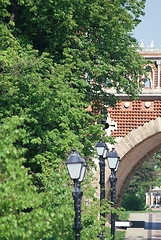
column 113, row 162
column 76, row 166
column 102, row 151
column 103, row 121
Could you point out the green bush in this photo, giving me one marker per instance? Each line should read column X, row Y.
column 133, row 203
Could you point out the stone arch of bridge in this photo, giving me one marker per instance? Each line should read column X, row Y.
column 133, row 150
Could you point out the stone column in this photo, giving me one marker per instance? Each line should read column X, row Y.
column 147, row 199
column 151, row 199
column 158, row 73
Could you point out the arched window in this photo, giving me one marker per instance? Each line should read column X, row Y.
column 147, row 83
column 149, row 79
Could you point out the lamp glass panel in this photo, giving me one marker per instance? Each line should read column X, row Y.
column 105, row 153
column 112, row 162
column 82, row 173
column 117, row 167
column 100, row 151
column 74, row 170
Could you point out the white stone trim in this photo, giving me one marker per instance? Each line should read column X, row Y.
column 151, row 80
column 158, row 73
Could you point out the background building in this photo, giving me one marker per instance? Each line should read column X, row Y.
column 129, row 115
column 136, row 125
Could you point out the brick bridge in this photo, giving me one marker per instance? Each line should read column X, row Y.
column 137, row 124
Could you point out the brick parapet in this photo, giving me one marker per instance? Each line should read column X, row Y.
column 130, row 115
column 137, row 136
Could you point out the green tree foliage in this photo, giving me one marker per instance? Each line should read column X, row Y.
column 92, row 38
column 54, row 121
column 146, row 177
column 18, row 195
column 131, row 202
column 55, row 57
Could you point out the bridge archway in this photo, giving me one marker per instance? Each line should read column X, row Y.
column 133, row 150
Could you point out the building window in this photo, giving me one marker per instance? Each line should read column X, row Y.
column 149, row 79
column 147, row 83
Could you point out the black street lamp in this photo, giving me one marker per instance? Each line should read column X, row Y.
column 76, row 166
column 113, row 162
column 102, row 151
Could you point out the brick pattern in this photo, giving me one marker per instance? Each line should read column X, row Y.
column 132, row 114
column 133, row 150
column 138, row 126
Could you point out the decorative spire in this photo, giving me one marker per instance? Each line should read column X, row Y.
column 142, row 45
column 152, row 45
column 149, row 48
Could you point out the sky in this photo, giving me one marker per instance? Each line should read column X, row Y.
column 150, row 27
